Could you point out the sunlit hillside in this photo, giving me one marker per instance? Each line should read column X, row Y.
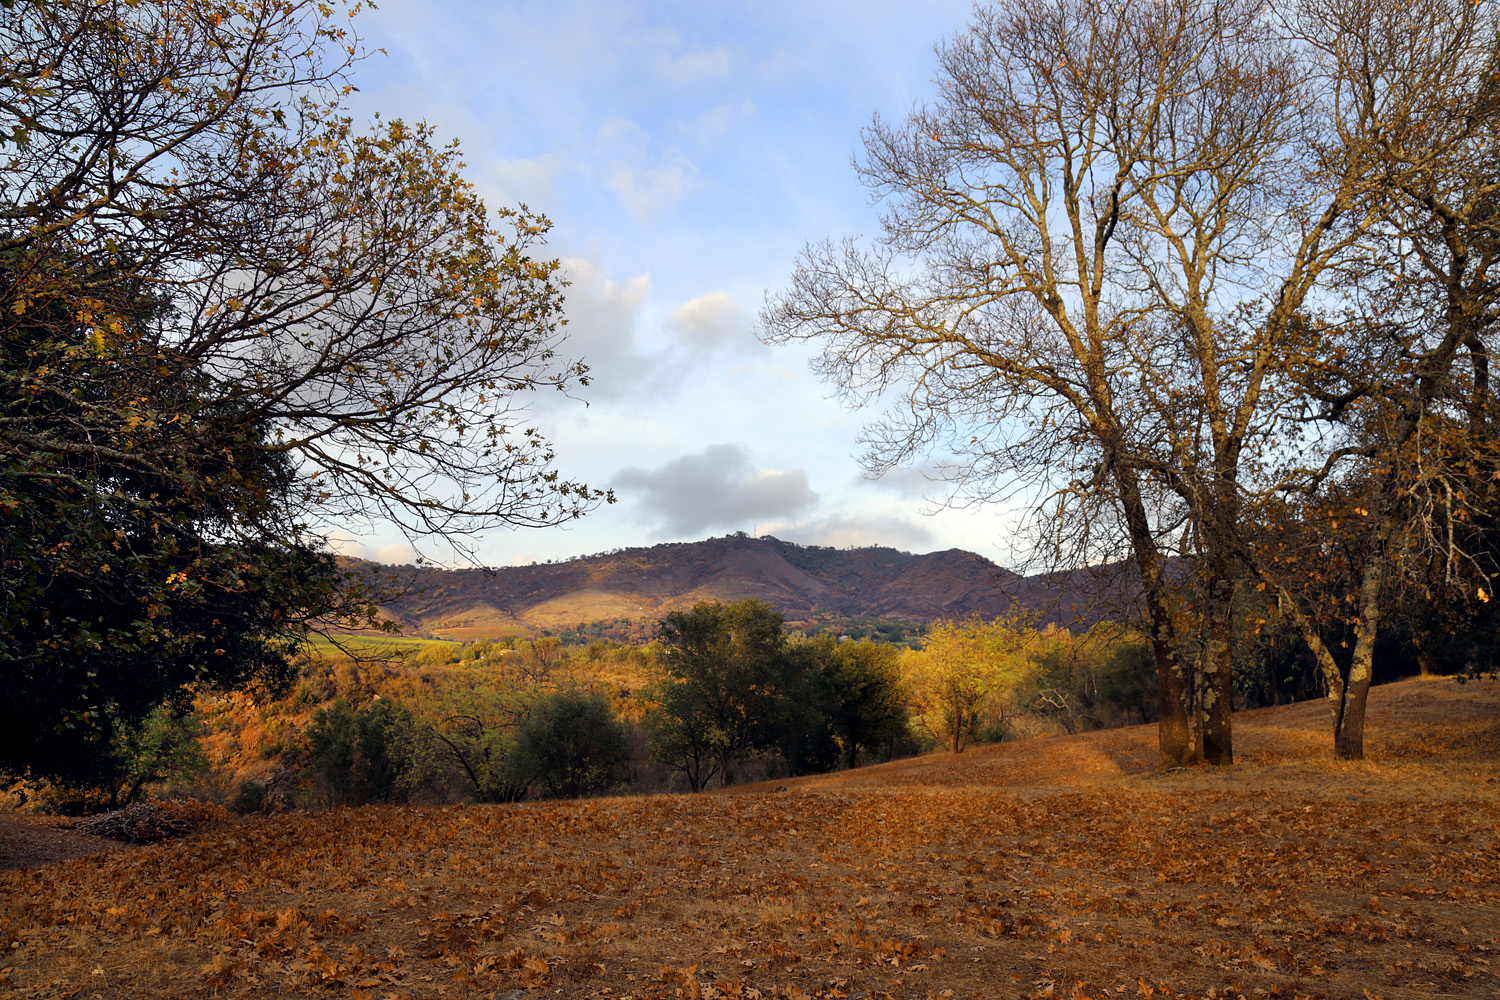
column 813, row 586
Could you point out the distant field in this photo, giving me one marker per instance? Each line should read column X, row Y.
column 1061, row 867
column 374, row 645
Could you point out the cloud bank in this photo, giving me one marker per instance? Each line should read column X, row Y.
column 715, row 488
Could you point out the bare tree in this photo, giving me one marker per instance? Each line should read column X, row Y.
column 1097, row 243
column 1399, row 390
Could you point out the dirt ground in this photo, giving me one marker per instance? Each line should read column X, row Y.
column 1063, row 867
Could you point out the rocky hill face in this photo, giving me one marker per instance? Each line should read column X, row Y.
column 807, row 584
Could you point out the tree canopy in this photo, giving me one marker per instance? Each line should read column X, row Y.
column 232, row 320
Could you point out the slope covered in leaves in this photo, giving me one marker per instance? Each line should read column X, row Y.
column 1051, row 868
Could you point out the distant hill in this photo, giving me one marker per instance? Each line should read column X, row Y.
column 812, row 586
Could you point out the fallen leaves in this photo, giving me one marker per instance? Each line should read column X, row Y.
column 1157, row 888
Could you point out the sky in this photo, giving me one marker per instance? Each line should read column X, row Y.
column 685, row 152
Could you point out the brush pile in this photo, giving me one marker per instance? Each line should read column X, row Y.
column 140, row 823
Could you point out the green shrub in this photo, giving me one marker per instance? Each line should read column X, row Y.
column 250, row 797
column 361, row 755
column 162, row 747
column 571, row 743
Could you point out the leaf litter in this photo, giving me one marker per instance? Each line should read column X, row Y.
column 1061, row 867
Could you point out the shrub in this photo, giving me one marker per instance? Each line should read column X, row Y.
column 361, row 755
column 162, row 747
column 571, row 743
column 250, row 797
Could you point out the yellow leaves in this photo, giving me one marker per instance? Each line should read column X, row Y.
column 1482, row 595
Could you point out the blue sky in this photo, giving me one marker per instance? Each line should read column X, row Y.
column 684, row 152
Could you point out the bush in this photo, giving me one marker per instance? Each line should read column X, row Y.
column 162, row 747
column 571, row 743
column 361, row 755
column 249, row 798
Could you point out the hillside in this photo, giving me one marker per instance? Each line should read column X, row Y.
column 807, row 584
column 1061, row 867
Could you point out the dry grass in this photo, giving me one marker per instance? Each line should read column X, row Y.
column 1057, row 867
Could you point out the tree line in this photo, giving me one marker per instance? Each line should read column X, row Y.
column 725, row 694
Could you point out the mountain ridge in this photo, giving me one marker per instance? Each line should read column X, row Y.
column 809, row 585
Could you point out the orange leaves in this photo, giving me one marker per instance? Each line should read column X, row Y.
column 218, row 971
column 289, row 919
column 534, row 972
column 1256, row 880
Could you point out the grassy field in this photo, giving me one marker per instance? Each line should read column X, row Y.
column 1061, row 867
column 374, row 645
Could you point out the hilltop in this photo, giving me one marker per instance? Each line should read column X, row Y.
column 809, row 585
column 1061, row 867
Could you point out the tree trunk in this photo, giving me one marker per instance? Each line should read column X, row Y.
column 1174, row 745
column 1347, row 697
column 1217, row 702
column 1349, row 723
column 1327, row 665
column 725, row 778
column 1217, row 705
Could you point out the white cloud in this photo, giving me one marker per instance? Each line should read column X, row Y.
column 715, row 488
column 343, row 543
column 646, row 180
column 783, row 66
column 602, row 315
column 856, row 530
column 714, row 322
column 384, row 545
column 395, row 554
column 929, row 480
column 621, row 138
column 528, row 181
column 647, row 191
column 697, row 65
column 713, row 124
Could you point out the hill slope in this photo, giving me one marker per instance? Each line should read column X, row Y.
column 807, row 584
column 1054, row 868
